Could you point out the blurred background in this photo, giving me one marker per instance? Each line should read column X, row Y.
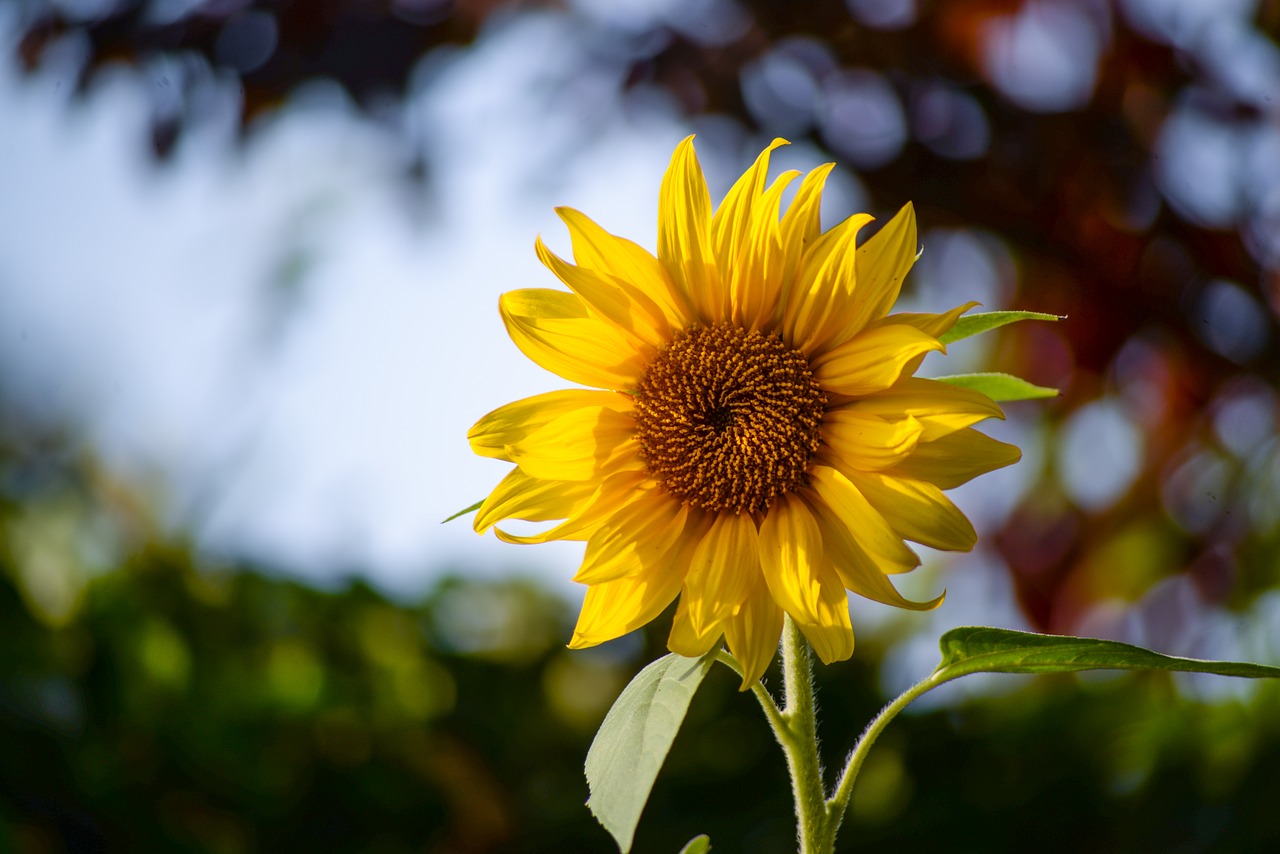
column 250, row 254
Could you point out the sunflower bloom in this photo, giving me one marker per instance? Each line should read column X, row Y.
column 750, row 437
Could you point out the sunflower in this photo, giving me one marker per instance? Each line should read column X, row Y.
column 750, row 437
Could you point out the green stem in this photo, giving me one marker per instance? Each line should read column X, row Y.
column 838, row 803
column 766, row 701
column 818, row 818
column 799, row 739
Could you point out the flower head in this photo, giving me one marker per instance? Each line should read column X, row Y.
column 752, row 439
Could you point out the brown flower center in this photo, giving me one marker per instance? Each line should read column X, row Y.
column 729, row 419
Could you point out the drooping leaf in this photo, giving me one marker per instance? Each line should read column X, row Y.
column 975, row 324
column 977, row 649
column 633, row 741
column 473, row 508
column 1000, row 387
column 698, row 845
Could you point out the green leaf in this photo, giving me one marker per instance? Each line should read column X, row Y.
column 1000, row 387
column 634, row 739
column 698, row 845
column 976, row 649
column 473, row 508
column 975, row 324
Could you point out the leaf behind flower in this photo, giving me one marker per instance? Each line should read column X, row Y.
column 978, row 649
column 1000, row 387
column 975, row 324
column 632, row 743
column 473, row 508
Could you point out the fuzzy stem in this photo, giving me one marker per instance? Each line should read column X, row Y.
column 838, row 804
column 799, row 740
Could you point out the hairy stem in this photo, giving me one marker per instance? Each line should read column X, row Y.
column 838, row 803
column 799, row 740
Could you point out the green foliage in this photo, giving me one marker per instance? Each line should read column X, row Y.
column 697, row 845
column 975, row 324
column 463, row 512
column 634, row 739
column 171, row 704
column 1000, row 387
column 979, row 649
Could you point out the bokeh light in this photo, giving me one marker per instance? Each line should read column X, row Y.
column 249, row 259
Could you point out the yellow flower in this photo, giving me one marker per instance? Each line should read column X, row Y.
column 752, row 439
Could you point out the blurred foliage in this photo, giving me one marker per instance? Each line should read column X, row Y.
column 157, row 703
column 1109, row 161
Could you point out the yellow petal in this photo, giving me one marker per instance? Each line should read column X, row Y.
column 519, row 496
column 724, row 565
column 626, row 307
column 940, row 407
column 802, row 223
column 625, row 261
column 613, row 608
column 818, row 298
column 752, row 633
column 554, row 329
column 796, row 571
column 582, row 444
column 916, row 510
column 857, row 516
column 868, row 442
column 957, row 458
column 606, row 497
column 684, row 639
column 755, row 280
column 635, row 537
column 936, row 325
column 744, row 238
column 494, row 434
column 858, row 570
column 689, row 641
column 882, row 263
column 873, row 361
column 684, row 234
column 733, row 220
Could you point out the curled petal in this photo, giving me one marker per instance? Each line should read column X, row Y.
column 528, row 499
column 588, row 513
column 957, row 458
column 939, row 407
column 873, row 361
column 625, row 261
column 859, row 570
column 917, row 510
column 628, row 308
column 855, row 513
column 936, row 325
column 554, row 329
